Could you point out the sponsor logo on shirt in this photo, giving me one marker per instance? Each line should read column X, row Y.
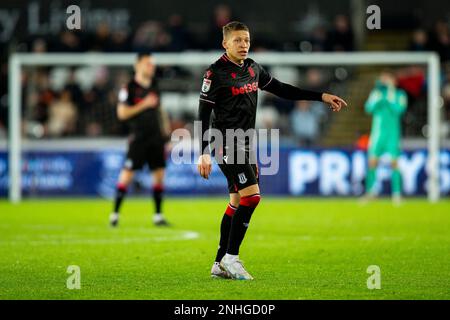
column 248, row 88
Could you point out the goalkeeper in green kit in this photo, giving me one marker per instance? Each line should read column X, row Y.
column 386, row 104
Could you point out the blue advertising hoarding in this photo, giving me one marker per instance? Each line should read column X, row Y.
column 324, row 172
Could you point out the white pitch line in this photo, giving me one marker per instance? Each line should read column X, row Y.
column 339, row 238
column 185, row 235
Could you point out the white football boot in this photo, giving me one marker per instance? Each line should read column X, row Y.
column 217, row 271
column 368, row 197
column 397, row 199
column 159, row 220
column 114, row 219
column 234, row 267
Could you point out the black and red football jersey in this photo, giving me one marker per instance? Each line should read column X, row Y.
column 146, row 125
column 232, row 90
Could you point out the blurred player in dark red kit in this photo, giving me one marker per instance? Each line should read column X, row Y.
column 139, row 105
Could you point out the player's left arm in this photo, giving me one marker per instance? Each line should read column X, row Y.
column 290, row 92
column 287, row 91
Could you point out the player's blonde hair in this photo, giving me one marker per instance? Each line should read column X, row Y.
column 233, row 26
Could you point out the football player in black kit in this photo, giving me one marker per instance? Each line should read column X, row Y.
column 139, row 106
column 230, row 89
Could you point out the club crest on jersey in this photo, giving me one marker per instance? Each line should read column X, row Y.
column 206, row 85
column 251, row 71
column 242, row 178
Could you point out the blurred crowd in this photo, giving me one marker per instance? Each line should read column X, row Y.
column 80, row 102
column 84, row 105
column 437, row 39
column 174, row 35
column 413, row 79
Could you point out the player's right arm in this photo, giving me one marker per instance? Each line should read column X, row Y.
column 207, row 101
column 204, row 160
column 372, row 102
column 126, row 110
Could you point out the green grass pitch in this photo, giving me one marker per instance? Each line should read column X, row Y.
column 295, row 248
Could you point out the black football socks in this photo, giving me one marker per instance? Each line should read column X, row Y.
column 121, row 191
column 240, row 222
column 157, row 197
column 225, row 227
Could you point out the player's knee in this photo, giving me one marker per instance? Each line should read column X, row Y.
column 234, row 199
column 158, row 176
column 126, row 177
column 250, row 201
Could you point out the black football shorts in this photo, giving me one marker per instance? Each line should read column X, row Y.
column 239, row 176
column 141, row 153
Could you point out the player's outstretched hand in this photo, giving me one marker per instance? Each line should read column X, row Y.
column 204, row 165
column 335, row 102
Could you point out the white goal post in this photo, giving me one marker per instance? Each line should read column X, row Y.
column 18, row 60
